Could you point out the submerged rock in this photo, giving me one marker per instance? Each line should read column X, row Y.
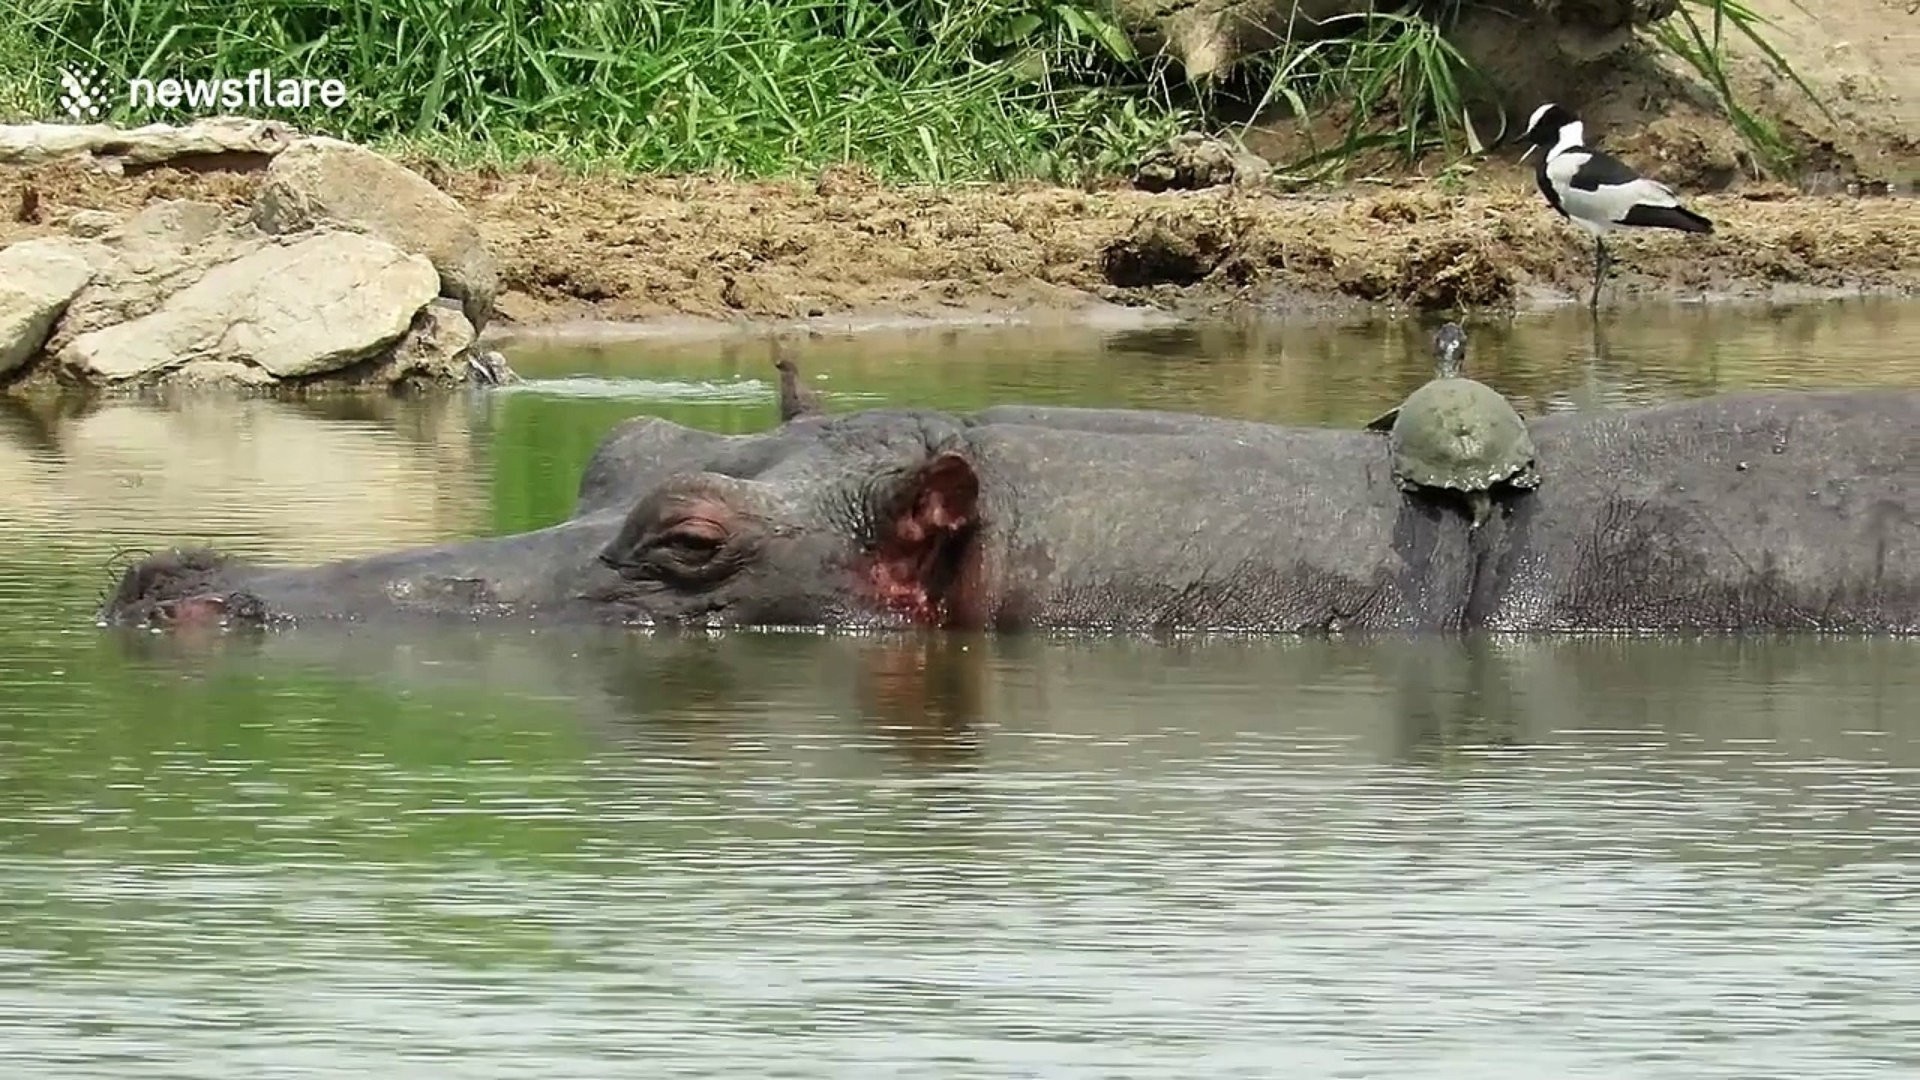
column 319, row 182
column 293, row 310
column 38, row 279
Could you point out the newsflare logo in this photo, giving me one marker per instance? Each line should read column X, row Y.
column 85, row 94
column 82, row 93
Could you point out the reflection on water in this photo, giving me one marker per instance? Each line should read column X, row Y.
column 1312, row 373
column 802, row 856
column 310, row 480
column 484, row 854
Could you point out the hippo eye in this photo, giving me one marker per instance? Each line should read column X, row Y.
column 693, row 539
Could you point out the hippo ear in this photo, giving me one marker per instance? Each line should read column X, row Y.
column 937, row 501
column 922, row 539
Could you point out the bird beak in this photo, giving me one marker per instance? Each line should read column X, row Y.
column 1531, row 147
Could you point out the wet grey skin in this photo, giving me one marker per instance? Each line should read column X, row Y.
column 1759, row 511
column 1456, row 434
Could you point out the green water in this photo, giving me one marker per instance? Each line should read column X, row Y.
column 588, row 854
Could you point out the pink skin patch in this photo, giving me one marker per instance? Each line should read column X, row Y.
column 202, row 610
column 902, row 572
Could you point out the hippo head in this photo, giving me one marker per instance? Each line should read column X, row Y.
column 877, row 528
column 869, row 519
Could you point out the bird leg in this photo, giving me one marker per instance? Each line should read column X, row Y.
column 1600, row 261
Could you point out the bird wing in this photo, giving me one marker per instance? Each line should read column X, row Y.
column 1588, row 169
column 1600, row 187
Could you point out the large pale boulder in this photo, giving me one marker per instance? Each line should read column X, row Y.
column 433, row 352
column 38, row 278
column 295, row 309
column 321, row 181
column 140, row 262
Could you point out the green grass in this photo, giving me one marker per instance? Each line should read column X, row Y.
column 919, row 90
column 1402, row 84
column 1405, row 87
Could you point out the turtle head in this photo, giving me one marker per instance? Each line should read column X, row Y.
column 1450, row 350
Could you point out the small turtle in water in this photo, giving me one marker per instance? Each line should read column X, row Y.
column 489, row 368
column 1457, row 434
column 795, row 400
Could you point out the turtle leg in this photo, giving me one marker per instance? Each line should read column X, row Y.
column 1481, row 504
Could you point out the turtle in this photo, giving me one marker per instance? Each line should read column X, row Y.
column 1457, row 434
column 490, row 368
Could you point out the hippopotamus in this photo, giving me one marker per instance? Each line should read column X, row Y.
column 1749, row 511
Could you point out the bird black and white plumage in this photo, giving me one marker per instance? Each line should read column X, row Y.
column 1597, row 191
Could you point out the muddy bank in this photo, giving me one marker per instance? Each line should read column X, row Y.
column 844, row 249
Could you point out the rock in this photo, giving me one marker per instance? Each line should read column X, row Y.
column 294, row 309
column 159, row 252
column 1190, row 161
column 1209, row 38
column 231, row 140
column 434, row 351
column 92, row 223
column 38, row 278
column 322, row 181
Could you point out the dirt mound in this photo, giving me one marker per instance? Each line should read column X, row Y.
column 627, row 248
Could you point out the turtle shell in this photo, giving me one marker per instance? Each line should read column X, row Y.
column 1460, row 434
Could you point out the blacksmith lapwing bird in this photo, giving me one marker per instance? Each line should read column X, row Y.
column 1597, row 191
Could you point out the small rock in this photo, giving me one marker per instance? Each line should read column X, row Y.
column 38, row 279
column 1190, row 161
column 171, row 223
column 435, row 350
column 323, row 181
column 321, row 304
column 91, row 223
